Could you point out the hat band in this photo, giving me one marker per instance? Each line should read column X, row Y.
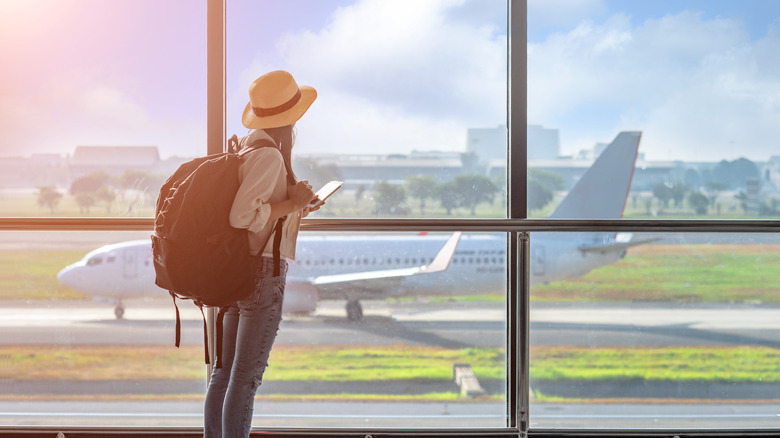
column 265, row 112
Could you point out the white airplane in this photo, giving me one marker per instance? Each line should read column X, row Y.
column 352, row 268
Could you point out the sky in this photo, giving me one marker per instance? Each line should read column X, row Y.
column 699, row 78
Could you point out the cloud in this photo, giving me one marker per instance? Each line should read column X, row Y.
column 72, row 111
column 546, row 14
column 396, row 76
column 699, row 89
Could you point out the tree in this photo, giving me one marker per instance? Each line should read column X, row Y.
column 388, row 198
column 735, row 173
column 140, row 181
column 714, row 188
column 539, row 195
column 500, row 182
column 469, row 161
column 699, row 201
column 679, row 190
column 106, row 196
column 361, row 190
column 692, row 178
column 448, row 196
column 664, row 193
column 421, row 187
column 473, row 190
column 551, row 180
column 89, row 183
column 85, row 200
column 48, row 196
column 542, row 185
column 133, row 179
column 742, row 198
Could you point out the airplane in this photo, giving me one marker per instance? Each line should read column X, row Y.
column 352, row 268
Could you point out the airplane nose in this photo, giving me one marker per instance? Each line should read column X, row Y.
column 67, row 277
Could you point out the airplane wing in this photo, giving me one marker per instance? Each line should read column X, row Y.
column 617, row 245
column 376, row 279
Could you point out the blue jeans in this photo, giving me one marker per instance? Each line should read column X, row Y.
column 249, row 331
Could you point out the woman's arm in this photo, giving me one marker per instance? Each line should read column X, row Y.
column 261, row 173
column 299, row 197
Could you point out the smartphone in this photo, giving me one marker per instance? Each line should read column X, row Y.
column 326, row 190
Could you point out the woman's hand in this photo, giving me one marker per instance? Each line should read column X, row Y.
column 309, row 208
column 301, row 194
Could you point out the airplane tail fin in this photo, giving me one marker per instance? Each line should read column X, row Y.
column 602, row 191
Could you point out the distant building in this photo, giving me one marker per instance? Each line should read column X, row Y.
column 113, row 159
column 38, row 170
column 490, row 144
column 543, row 143
column 487, row 143
column 368, row 170
column 770, row 174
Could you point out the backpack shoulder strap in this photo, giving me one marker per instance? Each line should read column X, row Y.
column 257, row 144
column 265, row 143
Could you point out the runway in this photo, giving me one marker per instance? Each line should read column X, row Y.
column 447, row 324
column 444, row 324
column 368, row 416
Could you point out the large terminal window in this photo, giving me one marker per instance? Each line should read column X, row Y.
column 673, row 330
column 99, row 102
column 598, row 177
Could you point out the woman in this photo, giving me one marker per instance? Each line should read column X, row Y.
column 268, row 192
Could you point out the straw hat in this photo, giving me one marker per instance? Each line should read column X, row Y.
column 275, row 99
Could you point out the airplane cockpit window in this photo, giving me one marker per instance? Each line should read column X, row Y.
column 94, row 261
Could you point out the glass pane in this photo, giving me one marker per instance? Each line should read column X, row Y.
column 100, row 102
column 381, row 349
column 411, row 106
column 693, row 82
column 92, row 344
column 654, row 331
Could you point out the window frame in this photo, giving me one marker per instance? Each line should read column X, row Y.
column 518, row 227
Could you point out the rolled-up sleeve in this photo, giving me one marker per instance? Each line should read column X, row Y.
column 259, row 175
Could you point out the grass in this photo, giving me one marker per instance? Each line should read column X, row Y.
column 12, row 206
column 723, row 364
column 402, row 362
column 32, row 275
column 288, row 363
column 330, row 363
column 678, row 273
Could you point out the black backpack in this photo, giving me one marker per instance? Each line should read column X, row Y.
column 197, row 254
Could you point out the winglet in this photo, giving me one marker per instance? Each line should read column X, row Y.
column 442, row 260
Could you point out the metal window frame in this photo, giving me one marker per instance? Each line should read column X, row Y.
column 517, row 226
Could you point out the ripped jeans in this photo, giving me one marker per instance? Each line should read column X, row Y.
column 249, row 331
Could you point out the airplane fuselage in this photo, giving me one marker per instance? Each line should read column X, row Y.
column 479, row 265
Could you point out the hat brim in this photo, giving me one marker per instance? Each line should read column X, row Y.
column 252, row 121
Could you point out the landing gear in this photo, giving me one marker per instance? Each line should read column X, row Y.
column 354, row 310
column 119, row 311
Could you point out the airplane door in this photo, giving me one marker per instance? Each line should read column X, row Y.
column 130, row 264
column 538, row 259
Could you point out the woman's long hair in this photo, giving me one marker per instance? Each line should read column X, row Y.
column 284, row 137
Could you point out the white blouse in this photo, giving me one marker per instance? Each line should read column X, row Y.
column 263, row 181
